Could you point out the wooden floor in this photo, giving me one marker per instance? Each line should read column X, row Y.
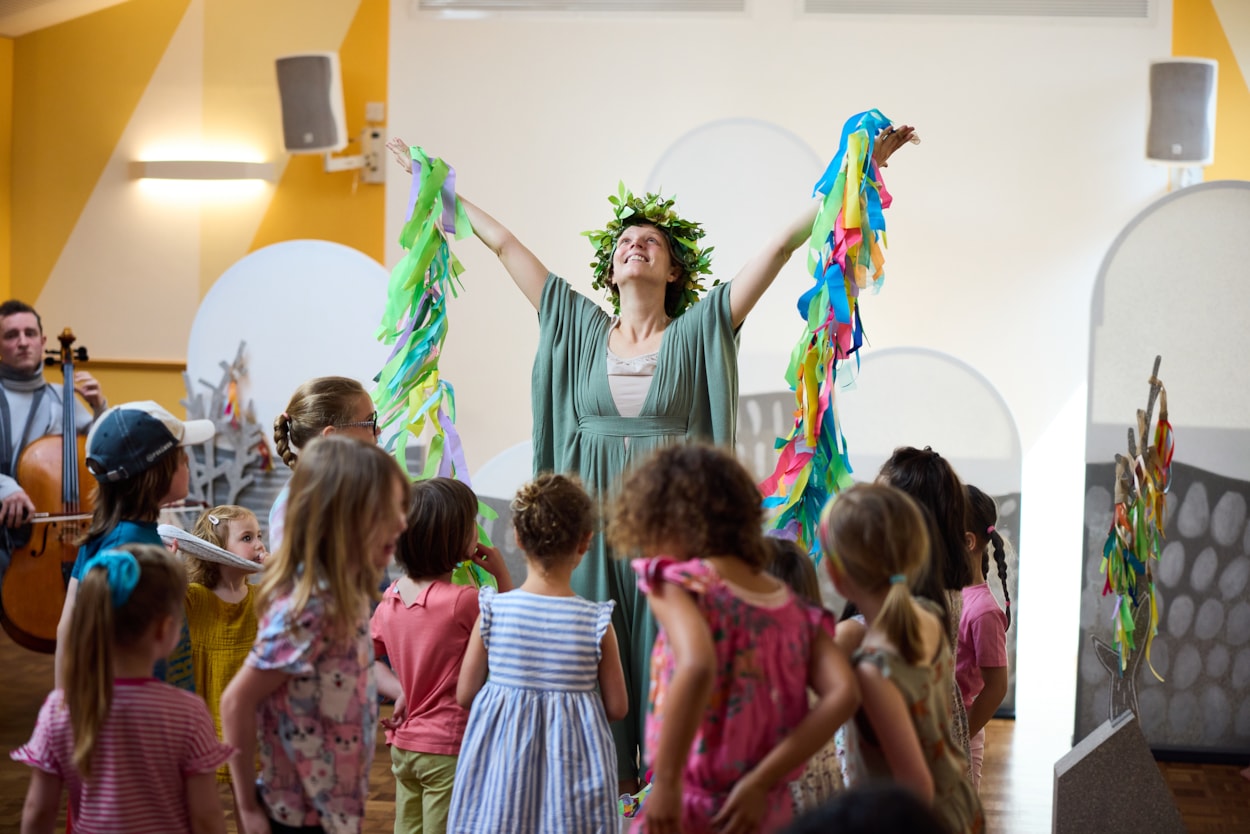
column 1213, row 799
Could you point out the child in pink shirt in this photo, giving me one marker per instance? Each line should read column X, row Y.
column 981, row 662
column 422, row 627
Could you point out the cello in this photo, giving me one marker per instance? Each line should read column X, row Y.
column 52, row 471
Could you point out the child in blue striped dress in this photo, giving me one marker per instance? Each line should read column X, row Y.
column 537, row 754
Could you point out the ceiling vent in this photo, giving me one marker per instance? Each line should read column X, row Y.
column 1129, row 9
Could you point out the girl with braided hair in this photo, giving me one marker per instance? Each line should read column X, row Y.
column 981, row 661
column 321, row 406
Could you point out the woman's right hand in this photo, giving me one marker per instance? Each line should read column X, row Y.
column 399, row 149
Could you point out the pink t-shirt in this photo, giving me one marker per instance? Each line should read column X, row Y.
column 154, row 738
column 425, row 643
column 982, row 640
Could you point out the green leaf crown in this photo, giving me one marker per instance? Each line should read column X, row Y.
column 683, row 236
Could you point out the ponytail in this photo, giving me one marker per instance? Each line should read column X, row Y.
column 122, row 593
column 89, row 670
column 898, row 621
column 1000, row 559
column 879, row 537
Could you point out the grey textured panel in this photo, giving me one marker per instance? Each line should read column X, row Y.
column 1091, row 781
column 1202, row 650
column 1133, row 9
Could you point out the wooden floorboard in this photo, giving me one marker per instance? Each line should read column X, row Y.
column 1016, row 791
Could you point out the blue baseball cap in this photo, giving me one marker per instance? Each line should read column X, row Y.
column 130, row 438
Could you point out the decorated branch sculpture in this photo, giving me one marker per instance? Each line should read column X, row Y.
column 1134, row 542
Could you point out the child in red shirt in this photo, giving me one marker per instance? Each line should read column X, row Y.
column 422, row 626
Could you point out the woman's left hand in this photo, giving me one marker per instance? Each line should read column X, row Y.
column 745, row 807
column 889, row 141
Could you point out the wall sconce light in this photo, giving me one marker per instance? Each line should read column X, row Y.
column 201, row 169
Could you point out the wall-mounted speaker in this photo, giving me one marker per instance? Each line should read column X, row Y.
column 1182, row 112
column 311, row 88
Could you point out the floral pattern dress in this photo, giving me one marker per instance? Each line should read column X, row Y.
column 763, row 645
column 317, row 730
column 926, row 689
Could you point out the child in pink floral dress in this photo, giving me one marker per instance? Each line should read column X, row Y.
column 729, row 724
column 306, row 698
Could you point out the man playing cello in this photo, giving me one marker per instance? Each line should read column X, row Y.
column 29, row 407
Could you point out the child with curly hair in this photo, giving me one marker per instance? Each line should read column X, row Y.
column 729, row 724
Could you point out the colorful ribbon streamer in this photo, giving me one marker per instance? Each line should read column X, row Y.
column 843, row 257
column 410, row 390
column 1136, row 535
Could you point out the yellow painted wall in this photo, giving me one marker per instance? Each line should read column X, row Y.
column 75, row 86
column 93, row 93
column 1198, row 32
column 309, row 202
column 6, row 164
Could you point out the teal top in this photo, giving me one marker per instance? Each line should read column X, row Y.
column 693, row 395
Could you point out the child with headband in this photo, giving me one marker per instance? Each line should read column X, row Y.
column 137, row 755
column 876, row 544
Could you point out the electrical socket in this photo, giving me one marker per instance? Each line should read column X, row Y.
column 373, row 148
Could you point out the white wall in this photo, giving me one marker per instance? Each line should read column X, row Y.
column 1032, row 161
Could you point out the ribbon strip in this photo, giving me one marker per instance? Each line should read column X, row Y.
column 411, row 392
column 843, row 258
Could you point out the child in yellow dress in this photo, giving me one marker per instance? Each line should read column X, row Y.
column 219, row 604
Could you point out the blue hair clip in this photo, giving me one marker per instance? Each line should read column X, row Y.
column 123, row 573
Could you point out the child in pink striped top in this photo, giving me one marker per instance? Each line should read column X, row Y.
column 136, row 754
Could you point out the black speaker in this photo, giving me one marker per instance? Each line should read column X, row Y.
column 311, row 89
column 1182, row 111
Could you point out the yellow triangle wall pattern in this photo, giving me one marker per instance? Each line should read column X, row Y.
column 75, row 86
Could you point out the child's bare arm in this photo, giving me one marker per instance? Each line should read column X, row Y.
column 204, row 805
column 388, row 684
column 830, row 675
column 892, row 724
column 987, row 701
column 612, row 678
column 238, row 727
column 42, row 798
column 473, row 669
column 694, row 672
column 492, row 561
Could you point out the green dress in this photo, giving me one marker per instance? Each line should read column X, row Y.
column 577, row 429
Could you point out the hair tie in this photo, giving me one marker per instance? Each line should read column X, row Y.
column 898, row 579
column 122, row 573
column 989, row 530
